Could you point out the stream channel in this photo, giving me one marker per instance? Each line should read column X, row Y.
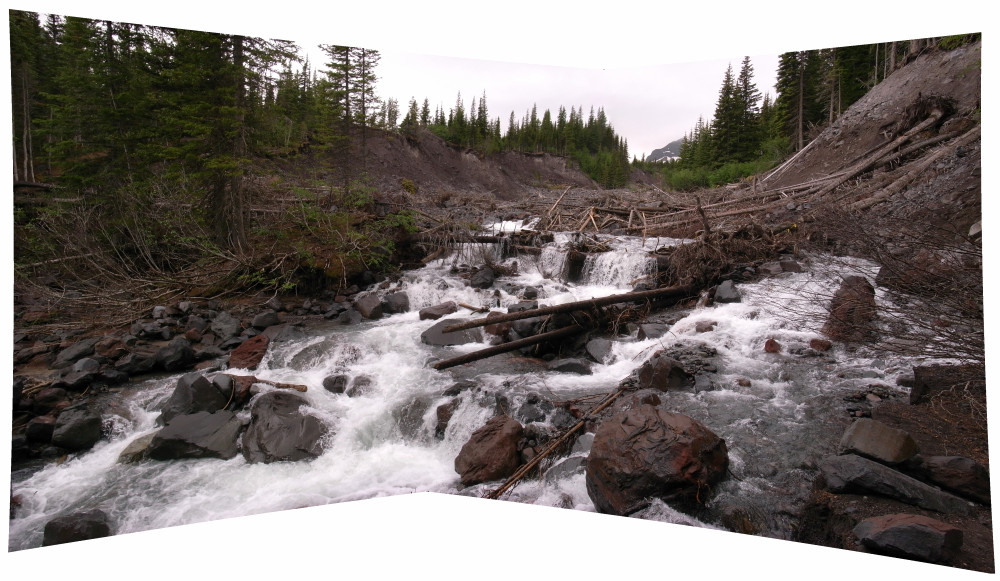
column 779, row 413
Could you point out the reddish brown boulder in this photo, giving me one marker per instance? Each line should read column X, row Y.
column 852, row 311
column 910, row 536
column 645, row 452
column 250, row 353
column 772, row 346
column 491, row 452
column 820, row 344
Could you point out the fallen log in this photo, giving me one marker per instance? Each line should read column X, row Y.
column 677, row 292
column 507, row 347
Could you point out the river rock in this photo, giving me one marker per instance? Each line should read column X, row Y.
column 78, row 526
column 438, row 311
column 875, row 440
column 501, row 330
column 75, row 380
column 963, row 476
column 226, row 326
column 250, row 353
column 137, row 450
column 910, row 536
column 370, row 307
column 491, row 452
column 398, row 302
column 137, row 362
column 599, row 349
column 265, row 319
column 853, row 474
column 350, row 317
column 39, row 429
column 197, row 435
column 69, row 355
column 574, row 365
column 443, row 414
column 77, row 429
column 852, row 311
column 482, row 278
column 772, row 346
column 663, row 373
column 652, row 331
column 279, row 431
column 436, row 336
column 177, row 355
column 726, row 293
column 336, row 383
column 645, row 452
column 193, row 393
column 49, row 399
column 362, row 385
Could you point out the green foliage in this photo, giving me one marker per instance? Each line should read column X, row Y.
column 958, row 40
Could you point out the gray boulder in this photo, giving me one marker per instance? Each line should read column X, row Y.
column 726, row 293
column 599, row 349
column 197, row 435
column 176, row 355
column 875, row 440
column 226, row 326
column 265, row 319
column 193, row 393
column 69, row 355
column 857, row 475
column 77, row 429
column 397, row 303
column 279, row 431
column 370, row 307
column 962, row 476
column 482, row 278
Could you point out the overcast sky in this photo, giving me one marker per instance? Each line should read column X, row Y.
column 653, row 68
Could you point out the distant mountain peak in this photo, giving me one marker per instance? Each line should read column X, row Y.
column 669, row 151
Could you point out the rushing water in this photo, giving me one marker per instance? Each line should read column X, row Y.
column 779, row 413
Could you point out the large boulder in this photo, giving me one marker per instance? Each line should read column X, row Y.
column 645, row 452
column 397, row 302
column 193, row 393
column 853, row 474
column 197, row 435
column 250, row 353
column 663, row 373
column 852, row 311
column 491, row 452
column 599, row 349
column 963, row 476
column 265, row 319
column 226, row 326
column 910, row 536
column 875, row 440
column 78, row 526
column 279, row 431
column 436, row 335
column 726, row 292
column 77, row 429
column 370, row 307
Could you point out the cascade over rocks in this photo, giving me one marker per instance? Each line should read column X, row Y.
column 491, row 452
column 645, row 452
column 280, row 431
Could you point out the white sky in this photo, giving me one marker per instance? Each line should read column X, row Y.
column 649, row 104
